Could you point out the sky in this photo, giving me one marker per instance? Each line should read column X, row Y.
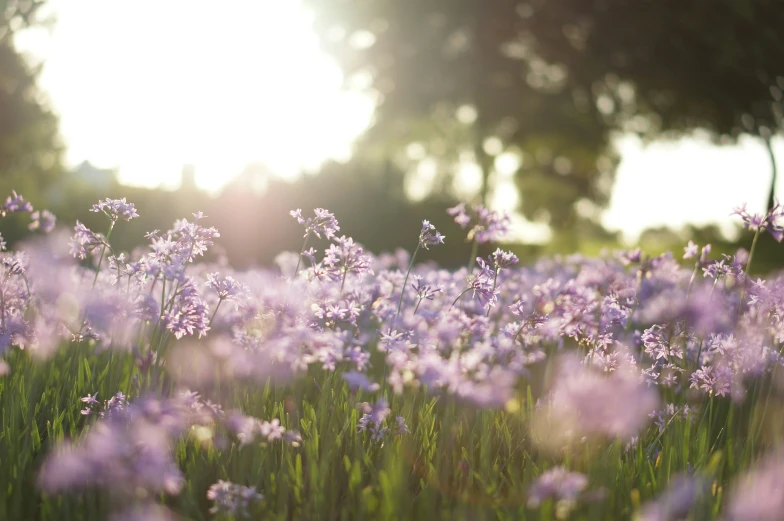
column 148, row 86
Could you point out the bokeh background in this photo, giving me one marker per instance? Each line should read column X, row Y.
column 595, row 123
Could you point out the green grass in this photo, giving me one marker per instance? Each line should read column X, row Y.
column 457, row 463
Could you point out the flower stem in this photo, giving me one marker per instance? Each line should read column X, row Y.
column 403, row 289
column 299, row 259
column 458, row 297
column 492, row 293
column 746, row 272
column 417, row 306
column 103, row 251
column 472, row 259
column 214, row 312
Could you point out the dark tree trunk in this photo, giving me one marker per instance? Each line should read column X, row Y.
column 772, row 192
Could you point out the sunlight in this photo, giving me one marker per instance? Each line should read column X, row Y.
column 213, row 87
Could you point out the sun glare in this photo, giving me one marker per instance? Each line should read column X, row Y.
column 149, row 86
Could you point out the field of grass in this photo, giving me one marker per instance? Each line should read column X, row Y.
column 617, row 387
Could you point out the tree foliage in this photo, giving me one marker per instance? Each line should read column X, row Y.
column 447, row 75
column 552, row 80
column 29, row 145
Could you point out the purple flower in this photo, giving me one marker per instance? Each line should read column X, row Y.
column 84, row 241
column 483, row 285
column 15, row 203
column 116, row 209
column 232, row 499
column 691, row 250
column 344, row 258
column 558, row 484
column 323, row 222
column 503, row 259
column 188, row 313
column 425, row 291
column 674, row 504
column 43, row 220
column 459, row 213
column 770, row 222
column 400, row 426
column 489, row 225
column 758, row 495
column 248, row 428
column 357, row 380
column 130, row 451
column 585, row 402
column 429, row 236
column 226, row 288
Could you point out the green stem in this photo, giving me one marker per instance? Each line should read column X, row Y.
column 691, row 280
column 342, row 282
column 403, row 289
column 458, row 297
column 103, row 251
column 472, row 259
column 495, row 279
column 746, row 271
column 417, row 306
column 302, row 251
column 214, row 313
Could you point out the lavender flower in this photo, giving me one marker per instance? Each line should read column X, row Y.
column 232, row 499
column 674, row 504
column 344, row 258
column 483, row 285
column 116, row 209
column 770, row 222
column 503, row 259
column 557, row 483
column 400, row 426
column 130, row 451
column 226, row 288
column 42, row 220
column 15, row 203
column 357, row 380
column 323, row 222
column 690, row 251
column 429, row 236
column 489, row 225
column 587, row 403
column 425, row 291
column 758, row 494
column 84, row 241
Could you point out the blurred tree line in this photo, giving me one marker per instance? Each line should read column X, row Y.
column 456, row 83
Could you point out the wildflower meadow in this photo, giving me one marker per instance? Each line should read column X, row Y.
column 153, row 385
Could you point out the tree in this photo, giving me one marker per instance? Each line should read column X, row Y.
column 448, row 77
column 552, row 80
column 672, row 66
column 30, row 152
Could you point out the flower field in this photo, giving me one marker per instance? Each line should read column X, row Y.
column 153, row 385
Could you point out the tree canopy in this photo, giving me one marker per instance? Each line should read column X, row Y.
column 552, row 81
column 30, row 150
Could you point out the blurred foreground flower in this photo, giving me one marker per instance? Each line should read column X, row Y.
column 587, row 403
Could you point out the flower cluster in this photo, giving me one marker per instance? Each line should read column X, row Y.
column 429, row 236
column 232, row 499
column 323, row 222
column 488, row 225
column 772, row 221
column 116, row 209
column 558, row 484
column 15, row 203
column 630, row 348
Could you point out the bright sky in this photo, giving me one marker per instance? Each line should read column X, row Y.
column 148, row 86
